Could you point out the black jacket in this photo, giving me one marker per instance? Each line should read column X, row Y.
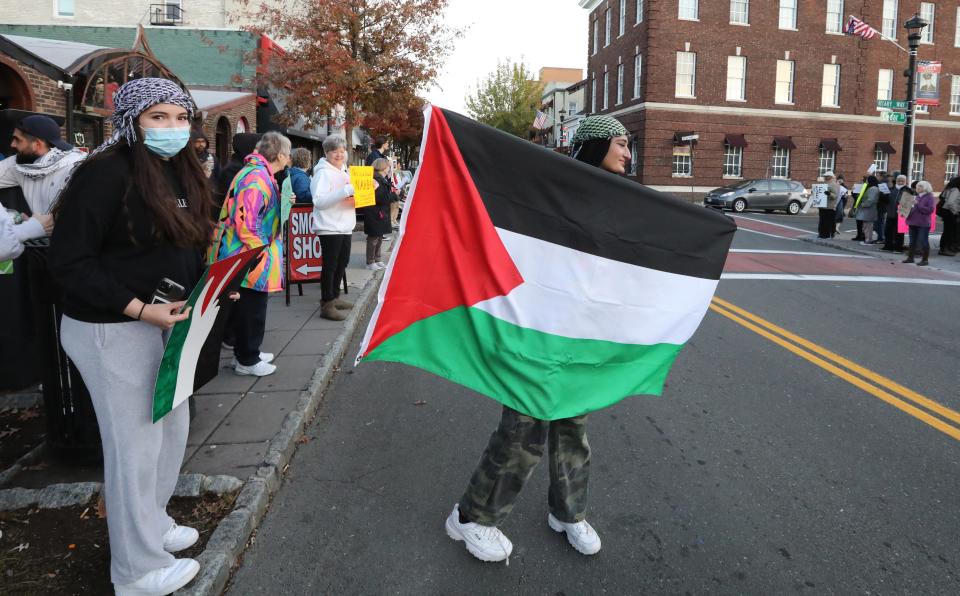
column 376, row 219
column 104, row 251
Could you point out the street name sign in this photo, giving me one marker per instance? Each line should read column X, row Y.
column 891, row 104
column 689, row 138
column 895, row 117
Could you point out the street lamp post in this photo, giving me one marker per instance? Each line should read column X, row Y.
column 913, row 26
column 560, row 130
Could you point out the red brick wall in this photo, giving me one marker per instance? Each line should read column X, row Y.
column 247, row 109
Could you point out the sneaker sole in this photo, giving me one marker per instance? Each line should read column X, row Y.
column 186, row 579
column 556, row 527
column 455, row 534
column 175, row 548
column 250, row 374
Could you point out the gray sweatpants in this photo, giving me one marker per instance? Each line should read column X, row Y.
column 141, row 460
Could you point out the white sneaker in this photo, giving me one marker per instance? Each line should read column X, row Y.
column 260, row 369
column 373, row 267
column 179, row 537
column 486, row 543
column 264, row 357
column 580, row 535
column 161, row 581
column 382, row 264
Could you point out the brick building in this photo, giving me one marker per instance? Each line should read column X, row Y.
column 773, row 88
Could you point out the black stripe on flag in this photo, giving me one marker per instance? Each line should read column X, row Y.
column 534, row 191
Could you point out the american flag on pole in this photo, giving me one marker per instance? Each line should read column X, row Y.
column 540, row 122
column 858, row 27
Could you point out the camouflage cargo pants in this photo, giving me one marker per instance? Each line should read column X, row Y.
column 513, row 452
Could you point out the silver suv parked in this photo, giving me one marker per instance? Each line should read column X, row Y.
column 769, row 195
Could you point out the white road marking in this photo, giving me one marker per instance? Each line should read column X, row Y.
column 766, row 234
column 864, row 278
column 770, row 223
column 798, row 252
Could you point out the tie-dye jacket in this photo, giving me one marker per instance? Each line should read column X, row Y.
column 250, row 217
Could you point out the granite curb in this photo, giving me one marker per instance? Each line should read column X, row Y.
column 856, row 247
column 229, row 540
column 24, row 460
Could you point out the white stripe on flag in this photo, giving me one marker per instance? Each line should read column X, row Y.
column 574, row 294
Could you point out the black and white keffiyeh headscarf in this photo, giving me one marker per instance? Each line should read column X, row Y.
column 134, row 98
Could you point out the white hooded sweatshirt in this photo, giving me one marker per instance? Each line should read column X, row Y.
column 333, row 205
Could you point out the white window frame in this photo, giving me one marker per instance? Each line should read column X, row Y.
column 690, row 7
column 732, row 161
column 826, row 161
column 634, row 158
column 881, row 159
column 596, row 36
column 788, row 8
column 831, row 83
column 921, row 109
column 952, row 167
column 740, row 12
column 623, row 17
column 928, row 12
column 884, row 84
column 593, row 93
column 57, row 14
column 606, row 39
column 955, row 95
column 917, row 167
column 606, row 88
column 639, row 16
column 956, row 33
column 889, row 23
column 572, row 107
column 788, row 82
column 168, row 3
column 620, row 83
column 780, row 161
column 690, row 91
column 682, row 166
column 738, row 86
column 637, row 73
column 835, row 17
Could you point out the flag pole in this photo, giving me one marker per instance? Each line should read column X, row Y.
column 894, row 42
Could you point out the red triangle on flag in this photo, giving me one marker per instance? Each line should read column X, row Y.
column 450, row 254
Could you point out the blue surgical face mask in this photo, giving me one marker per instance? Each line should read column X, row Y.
column 166, row 142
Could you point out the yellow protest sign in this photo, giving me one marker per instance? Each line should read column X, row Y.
column 361, row 178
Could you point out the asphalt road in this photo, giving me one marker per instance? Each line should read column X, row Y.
column 758, row 472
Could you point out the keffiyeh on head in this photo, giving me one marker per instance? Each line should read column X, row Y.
column 134, row 97
column 599, row 127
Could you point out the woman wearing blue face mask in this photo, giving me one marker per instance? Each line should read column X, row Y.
column 134, row 213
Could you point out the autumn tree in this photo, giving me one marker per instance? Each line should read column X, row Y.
column 507, row 99
column 369, row 58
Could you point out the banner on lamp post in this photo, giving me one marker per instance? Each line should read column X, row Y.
column 928, row 82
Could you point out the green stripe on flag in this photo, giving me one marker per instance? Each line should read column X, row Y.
column 542, row 375
column 6, row 267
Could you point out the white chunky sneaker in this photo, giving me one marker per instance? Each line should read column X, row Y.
column 179, row 537
column 264, row 357
column 580, row 535
column 486, row 543
column 160, row 582
column 260, row 369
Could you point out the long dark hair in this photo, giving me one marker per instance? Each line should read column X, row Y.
column 592, row 152
column 190, row 227
column 954, row 183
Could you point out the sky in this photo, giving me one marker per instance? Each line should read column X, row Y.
column 540, row 32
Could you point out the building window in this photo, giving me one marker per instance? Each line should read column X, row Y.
column 834, row 16
column 788, row 14
column 885, row 84
column 593, row 93
column 606, row 90
column 736, row 78
column 780, row 163
column 920, row 109
column 639, row 11
column 916, row 173
column 828, row 162
column 572, row 108
column 596, row 35
column 784, row 81
column 689, row 10
column 623, row 15
column 880, row 159
column 606, row 39
column 65, row 8
column 740, row 12
column 619, row 84
column 634, row 158
column 953, row 166
column 682, row 161
column 955, row 94
column 637, row 71
column 956, row 33
column 830, row 95
column 927, row 13
column 889, row 26
column 686, row 74
column 732, row 161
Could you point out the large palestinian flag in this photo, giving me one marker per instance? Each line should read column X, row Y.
column 191, row 357
column 551, row 286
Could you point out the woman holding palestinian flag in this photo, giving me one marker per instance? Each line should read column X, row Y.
column 519, row 441
column 135, row 219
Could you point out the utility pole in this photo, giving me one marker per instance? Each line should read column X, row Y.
column 913, row 27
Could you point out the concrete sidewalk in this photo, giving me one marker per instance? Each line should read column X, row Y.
column 237, row 416
column 844, row 241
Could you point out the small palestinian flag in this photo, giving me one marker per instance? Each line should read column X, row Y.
column 192, row 355
column 551, row 286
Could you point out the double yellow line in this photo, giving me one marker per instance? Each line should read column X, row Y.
column 873, row 383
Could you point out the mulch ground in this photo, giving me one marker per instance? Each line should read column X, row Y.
column 66, row 551
column 21, row 429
